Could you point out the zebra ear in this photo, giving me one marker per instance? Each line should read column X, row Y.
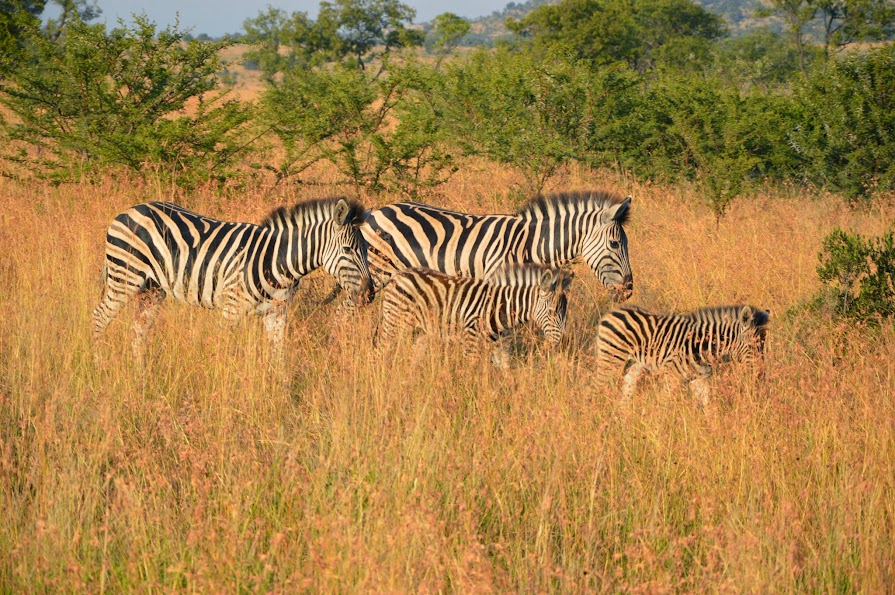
column 341, row 212
column 548, row 280
column 619, row 212
column 746, row 315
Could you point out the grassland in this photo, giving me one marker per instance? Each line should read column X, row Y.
column 423, row 472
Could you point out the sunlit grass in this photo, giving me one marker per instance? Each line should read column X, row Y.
column 424, row 471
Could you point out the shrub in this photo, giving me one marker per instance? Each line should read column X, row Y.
column 847, row 135
column 859, row 275
column 95, row 99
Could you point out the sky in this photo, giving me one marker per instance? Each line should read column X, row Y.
column 216, row 17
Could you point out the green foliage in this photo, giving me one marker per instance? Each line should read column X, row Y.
column 352, row 31
column 447, row 30
column 703, row 135
column 381, row 133
column 759, row 59
column 859, row 275
column 841, row 22
column 95, row 99
column 847, row 134
column 17, row 18
column 535, row 114
column 644, row 33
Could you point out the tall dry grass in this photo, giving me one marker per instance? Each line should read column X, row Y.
column 424, row 472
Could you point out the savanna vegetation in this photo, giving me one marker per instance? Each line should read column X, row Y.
column 761, row 167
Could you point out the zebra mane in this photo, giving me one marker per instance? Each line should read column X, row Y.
column 760, row 317
column 594, row 199
column 311, row 210
column 518, row 275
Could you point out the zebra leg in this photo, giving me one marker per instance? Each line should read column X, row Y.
column 275, row 325
column 119, row 285
column 500, row 355
column 471, row 346
column 148, row 304
column 630, row 381
column 699, row 387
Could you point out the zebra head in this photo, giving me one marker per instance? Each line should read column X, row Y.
column 749, row 336
column 605, row 250
column 345, row 253
column 550, row 305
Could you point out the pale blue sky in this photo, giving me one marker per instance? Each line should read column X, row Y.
column 216, row 17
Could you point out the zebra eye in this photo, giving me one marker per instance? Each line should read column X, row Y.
column 614, row 244
column 346, row 250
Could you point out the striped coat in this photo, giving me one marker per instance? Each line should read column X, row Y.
column 632, row 341
column 159, row 249
column 475, row 309
column 550, row 230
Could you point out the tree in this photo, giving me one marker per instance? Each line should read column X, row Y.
column 642, row 33
column 71, row 11
column 381, row 133
column 843, row 22
column 95, row 99
column 535, row 114
column 702, row 133
column 355, row 31
column 17, row 17
column 859, row 275
column 447, row 29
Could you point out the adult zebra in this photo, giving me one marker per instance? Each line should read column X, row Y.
column 550, row 230
column 158, row 248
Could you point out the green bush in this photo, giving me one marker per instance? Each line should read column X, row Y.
column 95, row 99
column 381, row 133
column 538, row 113
column 859, row 274
column 847, row 133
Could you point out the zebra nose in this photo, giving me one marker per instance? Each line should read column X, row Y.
column 623, row 291
column 365, row 292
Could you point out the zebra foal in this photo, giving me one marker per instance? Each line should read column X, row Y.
column 475, row 309
column 158, row 249
column 690, row 345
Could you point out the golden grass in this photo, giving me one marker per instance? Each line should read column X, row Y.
column 427, row 473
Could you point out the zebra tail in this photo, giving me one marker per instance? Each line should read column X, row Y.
column 103, row 279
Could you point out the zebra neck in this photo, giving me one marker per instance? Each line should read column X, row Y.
column 511, row 307
column 554, row 238
column 289, row 254
column 713, row 339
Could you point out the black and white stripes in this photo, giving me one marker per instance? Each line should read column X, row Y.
column 476, row 309
column 550, row 230
column 689, row 345
column 157, row 249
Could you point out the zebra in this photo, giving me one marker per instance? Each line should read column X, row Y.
column 157, row 249
column 551, row 230
column 476, row 309
column 690, row 345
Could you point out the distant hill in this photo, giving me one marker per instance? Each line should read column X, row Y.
column 739, row 15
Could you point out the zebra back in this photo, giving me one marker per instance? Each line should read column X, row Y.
column 550, row 230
